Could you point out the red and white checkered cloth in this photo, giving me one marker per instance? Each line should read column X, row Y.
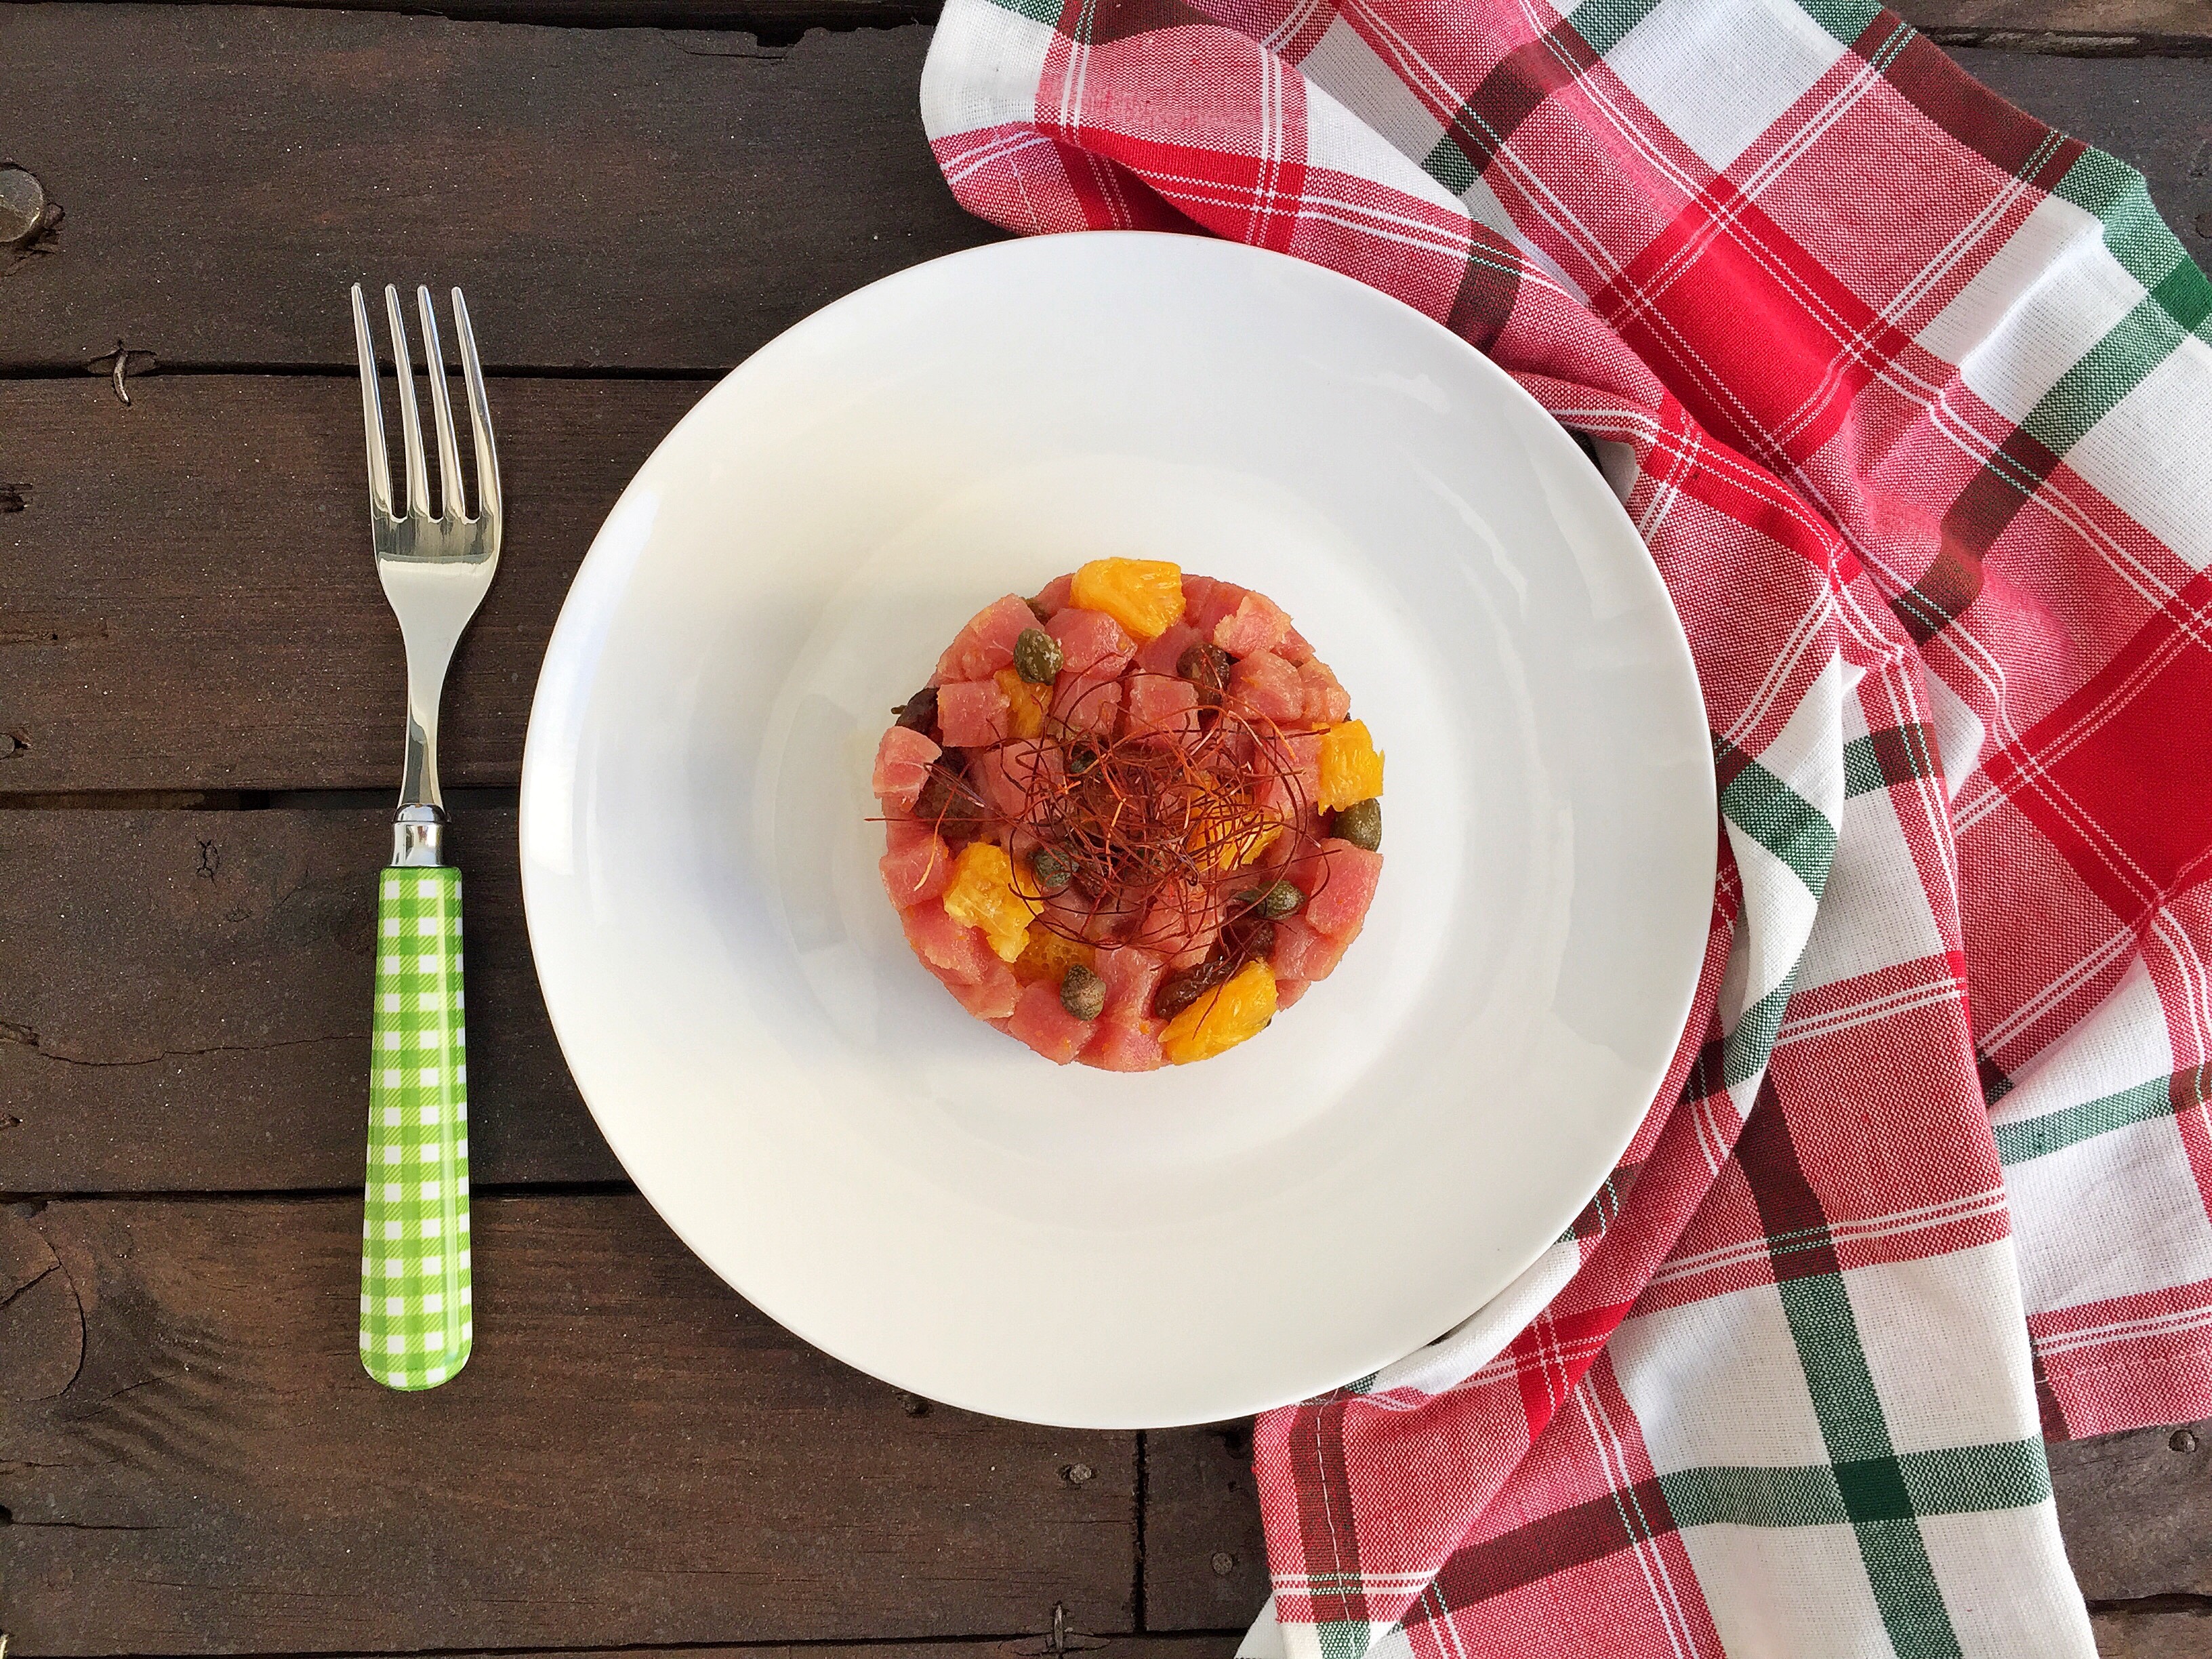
column 1912, row 399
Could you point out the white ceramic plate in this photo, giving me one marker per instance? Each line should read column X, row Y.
column 904, row 1186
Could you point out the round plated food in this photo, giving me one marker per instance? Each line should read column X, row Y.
column 1129, row 820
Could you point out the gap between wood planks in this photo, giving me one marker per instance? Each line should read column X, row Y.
column 2130, row 28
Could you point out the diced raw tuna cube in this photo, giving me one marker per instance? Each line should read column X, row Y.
column 1204, row 611
column 1327, row 701
column 1303, row 951
column 1182, row 924
column 1016, row 772
column 1091, row 642
column 1084, row 702
column 1039, row 1020
column 1132, row 975
column 1294, row 649
column 1341, row 905
column 972, row 713
column 1288, row 991
column 1293, row 778
column 1125, row 1045
column 1161, row 707
column 1160, row 655
column 1256, row 624
column 994, row 996
column 1051, row 598
column 987, row 644
column 902, row 761
column 918, row 866
column 1262, row 684
column 954, row 949
column 1071, row 913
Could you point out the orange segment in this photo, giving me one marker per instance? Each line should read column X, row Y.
column 1351, row 766
column 1050, row 955
column 982, row 896
column 1144, row 595
column 1223, row 1018
column 1024, row 702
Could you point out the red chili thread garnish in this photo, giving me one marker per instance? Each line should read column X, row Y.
column 1154, row 831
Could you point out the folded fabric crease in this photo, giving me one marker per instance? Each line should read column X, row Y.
column 1910, row 398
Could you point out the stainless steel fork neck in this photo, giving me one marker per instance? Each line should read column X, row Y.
column 418, row 837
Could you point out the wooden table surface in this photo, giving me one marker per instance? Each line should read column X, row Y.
column 200, row 697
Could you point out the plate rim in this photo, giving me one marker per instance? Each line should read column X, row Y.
column 1683, row 672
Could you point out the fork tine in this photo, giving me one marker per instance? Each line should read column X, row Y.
column 479, row 413
column 410, row 419
column 452, row 504
column 372, row 410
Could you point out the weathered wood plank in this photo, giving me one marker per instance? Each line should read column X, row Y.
column 2154, row 1633
column 2136, row 1510
column 615, row 197
column 611, row 198
column 2155, row 114
column 2118, row 27
column 187, row 598
column 1206, row 1561
column 632, row 1455
column 199, row 1017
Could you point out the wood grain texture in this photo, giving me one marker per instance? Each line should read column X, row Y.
column 2137, row 1510
column 1205, row 1559
column 632, row 1455
column 188, row 593
column 2116, row 27
column 609, row 198
column 199, row 1017
column 2155, row 114
column 2154, row 1633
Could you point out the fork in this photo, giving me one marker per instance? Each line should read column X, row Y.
column 415, row 1326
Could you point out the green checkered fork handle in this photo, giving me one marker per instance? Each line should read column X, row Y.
column 435, row 567
column 416, row 1331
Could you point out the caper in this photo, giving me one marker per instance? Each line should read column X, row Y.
column 1082, row 993
column 1038, row 656
column 1275, row 900
column 1207, row 667
column 1081, row 757
column 918, row 712
column 1038, row 609
column 1051, row 871
column 1361, row 823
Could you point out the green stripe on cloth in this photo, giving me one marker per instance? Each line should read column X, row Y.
column 1746, row 1050
column 2053, row 1132
column 1037, row 11
column 1605, row 23
column 2138, row 237
column 1955, row 1481
column 1880, row 759
column 1843, row 20
column 1867, row 1476
column 1782, row 821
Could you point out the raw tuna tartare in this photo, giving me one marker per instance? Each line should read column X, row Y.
column 1130, row 819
